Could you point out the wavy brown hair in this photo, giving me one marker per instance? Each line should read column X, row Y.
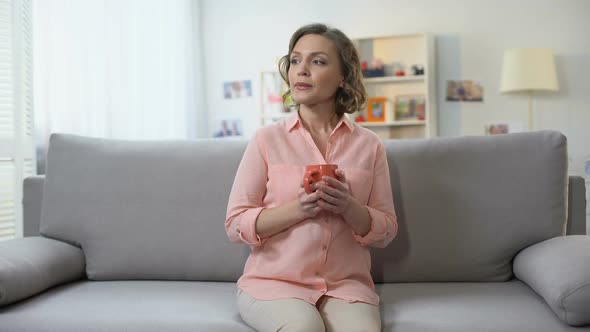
column 351, row 96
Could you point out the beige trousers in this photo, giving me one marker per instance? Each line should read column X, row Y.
column 294, row 315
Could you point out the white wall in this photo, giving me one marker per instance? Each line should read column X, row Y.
column 240, row 38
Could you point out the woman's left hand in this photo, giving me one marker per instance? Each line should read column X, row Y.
column 334, row 193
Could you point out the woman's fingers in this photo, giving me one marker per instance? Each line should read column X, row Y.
column 328, row 197
column 334, row 192
column 335, row 183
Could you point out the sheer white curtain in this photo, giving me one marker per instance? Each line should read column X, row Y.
column 124, row 69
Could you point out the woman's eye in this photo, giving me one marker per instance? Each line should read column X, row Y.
column 319, row 62
column 294, row 61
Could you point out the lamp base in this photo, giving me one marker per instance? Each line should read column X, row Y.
column 530, row 110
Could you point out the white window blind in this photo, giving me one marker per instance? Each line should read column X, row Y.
column 7, row 199
column 17, row 158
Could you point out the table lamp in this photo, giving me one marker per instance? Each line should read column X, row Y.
column 528, row 70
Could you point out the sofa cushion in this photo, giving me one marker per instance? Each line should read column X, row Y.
column 559, row 270
column 466, row 307
column 130, row 306
column 31, row 265
column 467, row 205
column 144, row 210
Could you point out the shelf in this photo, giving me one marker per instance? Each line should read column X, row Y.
column 393, row 123
column 393, row 79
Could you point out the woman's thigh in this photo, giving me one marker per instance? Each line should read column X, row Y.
column 290, row 315
column 341, row 316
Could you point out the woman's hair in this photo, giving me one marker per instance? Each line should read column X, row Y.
column 351, row 96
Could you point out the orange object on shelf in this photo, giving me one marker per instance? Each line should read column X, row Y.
column 376, row 109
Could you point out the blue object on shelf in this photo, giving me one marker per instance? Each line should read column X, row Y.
column 373, row 73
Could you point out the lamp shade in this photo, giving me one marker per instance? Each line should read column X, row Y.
column 528, row 69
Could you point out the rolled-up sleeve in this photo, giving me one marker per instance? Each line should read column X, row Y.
column 247, row 195
column 380, row 206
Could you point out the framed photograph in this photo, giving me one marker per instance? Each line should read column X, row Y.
column 466, row 90
column 237, row 89
column 498, row 128
column 410, row 107
column 376, row 109
column 227, row 127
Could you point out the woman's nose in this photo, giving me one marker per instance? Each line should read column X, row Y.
column 302, row 70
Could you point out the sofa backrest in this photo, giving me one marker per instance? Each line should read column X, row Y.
column 467, row 205
column 155, row 210
column 144, row 210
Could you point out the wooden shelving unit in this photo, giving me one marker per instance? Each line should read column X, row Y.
column 400, row 53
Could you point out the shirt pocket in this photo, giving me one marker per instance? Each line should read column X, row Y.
column 284, row 181
column 360, row 182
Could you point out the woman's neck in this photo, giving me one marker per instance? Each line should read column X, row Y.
column 319, row 120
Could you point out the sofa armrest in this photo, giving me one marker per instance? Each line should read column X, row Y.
column 32, row 201
column 558, row 270
column 31, row 265
column 576, row 206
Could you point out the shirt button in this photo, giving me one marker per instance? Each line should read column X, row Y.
column 322, row 291
column 237, row 230
column 317, row 273
column 325, row 247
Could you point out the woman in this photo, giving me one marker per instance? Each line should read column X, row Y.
column 309, row 266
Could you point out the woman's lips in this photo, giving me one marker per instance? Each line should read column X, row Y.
column 302, row 86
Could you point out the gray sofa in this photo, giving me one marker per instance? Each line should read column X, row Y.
column 130, row 237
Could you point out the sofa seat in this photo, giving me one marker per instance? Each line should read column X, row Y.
column 454, row 307
column 129, row 306
column 210, row 306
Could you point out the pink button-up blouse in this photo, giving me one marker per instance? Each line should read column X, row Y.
column 320, row 255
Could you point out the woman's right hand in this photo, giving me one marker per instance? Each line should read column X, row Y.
column 308, row 203
column 270, row 221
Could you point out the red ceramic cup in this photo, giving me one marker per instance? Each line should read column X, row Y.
column 314, row 173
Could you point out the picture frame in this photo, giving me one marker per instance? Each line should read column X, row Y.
column 504, row 127
column 496, row 129
column 410, row 107
column 464, row 90
column 237, row 89
column 227, row 128
column 376, row 109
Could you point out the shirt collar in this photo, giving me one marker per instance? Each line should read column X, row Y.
column 293, row 120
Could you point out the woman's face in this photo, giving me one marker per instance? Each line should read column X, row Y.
column 315, row 70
